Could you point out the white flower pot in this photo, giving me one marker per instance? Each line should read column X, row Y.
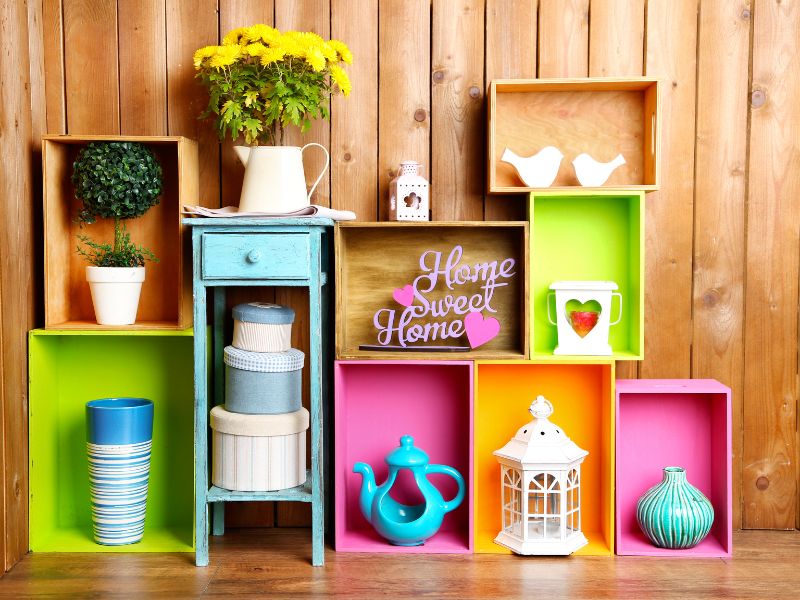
column 115, row 293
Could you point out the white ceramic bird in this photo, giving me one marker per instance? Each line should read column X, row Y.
column 537, row 171
column 591, row 173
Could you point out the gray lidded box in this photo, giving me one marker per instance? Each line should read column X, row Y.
column 263, row 383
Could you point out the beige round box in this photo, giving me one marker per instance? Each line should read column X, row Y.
column 258, row 453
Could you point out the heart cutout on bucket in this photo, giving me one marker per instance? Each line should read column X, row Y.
column 583, row 317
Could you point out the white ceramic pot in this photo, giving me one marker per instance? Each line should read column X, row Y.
column 274, row 180
column 115, row 293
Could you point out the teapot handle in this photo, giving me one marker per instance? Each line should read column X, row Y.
column 325, row 168
column 445, row 470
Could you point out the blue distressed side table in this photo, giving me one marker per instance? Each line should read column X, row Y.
column 257, row 252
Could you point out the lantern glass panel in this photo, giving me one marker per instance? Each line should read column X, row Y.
column 544, row 507
column 512, row 501
column 573, row 499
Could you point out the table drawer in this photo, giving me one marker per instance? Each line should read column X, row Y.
column 255, row 255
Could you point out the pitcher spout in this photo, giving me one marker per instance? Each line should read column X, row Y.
column 368, row 488
column 243, row 152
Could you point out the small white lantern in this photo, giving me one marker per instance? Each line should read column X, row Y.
column 583, row 316
column 408, row 194
column 540, row 479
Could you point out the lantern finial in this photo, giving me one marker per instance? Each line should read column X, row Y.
column 541, row 408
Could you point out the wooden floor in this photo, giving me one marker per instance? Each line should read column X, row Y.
column 275, row 564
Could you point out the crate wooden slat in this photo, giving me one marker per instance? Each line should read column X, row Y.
column 166, row 300
column 372, row 259
column 600, row 116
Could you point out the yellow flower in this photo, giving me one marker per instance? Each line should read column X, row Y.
column 262, row 33
column 342, row 50
column 234, row 36
column 202, row 54
column 290, row 45
column 254, row 49
column 341, row 79
column 271, row 55
column 315, row 58
column 225, row 56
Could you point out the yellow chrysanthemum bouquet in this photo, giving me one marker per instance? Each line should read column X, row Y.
column 261, row 80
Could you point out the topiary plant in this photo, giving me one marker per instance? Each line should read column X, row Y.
column 116, row 180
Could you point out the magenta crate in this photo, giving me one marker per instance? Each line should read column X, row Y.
column 673, row 422
column 376, row 403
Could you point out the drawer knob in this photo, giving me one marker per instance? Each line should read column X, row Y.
column 254, row 256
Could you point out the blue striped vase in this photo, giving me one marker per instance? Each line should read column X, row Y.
column 119, row 435
column 674, row 514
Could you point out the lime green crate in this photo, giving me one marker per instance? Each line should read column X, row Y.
column 588, row 235
column 69, row 368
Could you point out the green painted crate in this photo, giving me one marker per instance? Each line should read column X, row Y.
column 591, row 235
column 68, row 368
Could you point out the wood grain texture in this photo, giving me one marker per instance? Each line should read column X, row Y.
column 723, row 48
column 769, row 478
column 309, row 15
column 190, row 25
column 403, row 92
column 563, row 38
column 510, row 54
column 616, row 37
column 233, row 14
column 457, row 92
column 18, row 287
column 670, row 54
column 91, row 66
column 354, row 120
column 142, row 67
column 252, row 564
column 54, row 85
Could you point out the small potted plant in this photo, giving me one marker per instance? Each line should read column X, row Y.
column 115, row 180
column 260, row 82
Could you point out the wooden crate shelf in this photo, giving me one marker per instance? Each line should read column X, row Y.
column 374, row 259
column 673, row 422
column 66, row 370
column 166, row 300
column 588, row 235
column 582, row 394
column 376, row 403
column 602, row 117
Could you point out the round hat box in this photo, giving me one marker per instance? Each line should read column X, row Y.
column 258, row 453
column 263, row 383
column 262, row 327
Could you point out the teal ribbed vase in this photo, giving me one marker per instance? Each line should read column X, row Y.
column 674, row 514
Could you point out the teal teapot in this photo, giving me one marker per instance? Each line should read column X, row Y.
column 401, row 524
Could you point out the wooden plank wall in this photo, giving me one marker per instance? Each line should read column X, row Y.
column 722, row 237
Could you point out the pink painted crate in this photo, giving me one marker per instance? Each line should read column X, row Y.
column 673, row 422
column 376, row 402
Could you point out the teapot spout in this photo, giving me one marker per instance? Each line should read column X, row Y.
column 243, row 152
column 368, row 488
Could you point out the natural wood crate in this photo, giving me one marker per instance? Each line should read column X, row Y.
column 602, row 117
column 166, row 300
column 374, row 259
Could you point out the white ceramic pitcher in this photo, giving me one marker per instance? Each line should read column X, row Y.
column 274, row 180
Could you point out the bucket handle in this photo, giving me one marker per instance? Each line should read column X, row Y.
column 325, row 168
column 619, row 318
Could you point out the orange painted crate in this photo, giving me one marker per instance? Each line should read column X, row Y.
column 166, row 299
column 582, row 393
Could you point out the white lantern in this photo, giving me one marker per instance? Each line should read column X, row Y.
column 408, row 194
column 583, row 316
column 540, row 479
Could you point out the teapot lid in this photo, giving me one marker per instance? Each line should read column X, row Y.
column 407, row 455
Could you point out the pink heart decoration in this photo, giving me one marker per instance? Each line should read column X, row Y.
column 404, row 295
column 479, row 329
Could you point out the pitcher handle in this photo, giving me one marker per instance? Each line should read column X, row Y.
column 445, row 470
column 549, row 295
column 619, row 318
column 325, row 168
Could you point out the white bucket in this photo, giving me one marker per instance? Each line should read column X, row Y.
column 115, row 293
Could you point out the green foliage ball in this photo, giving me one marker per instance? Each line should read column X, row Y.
column 116, row 180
